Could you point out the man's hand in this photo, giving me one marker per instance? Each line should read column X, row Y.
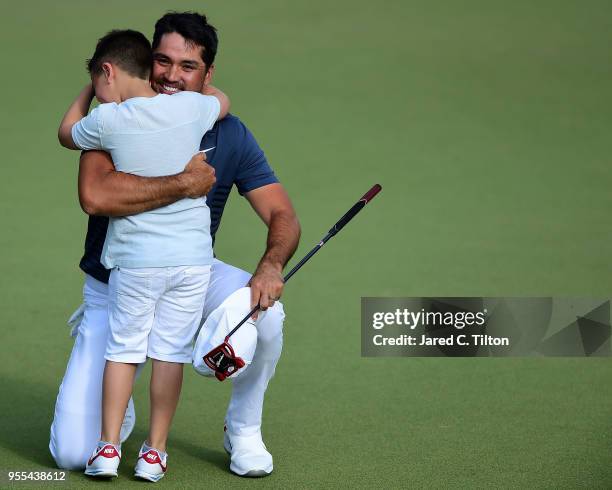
column 198, row 176
column 266, row 286
column 273, row 206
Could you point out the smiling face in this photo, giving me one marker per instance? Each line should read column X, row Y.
column 178, row 65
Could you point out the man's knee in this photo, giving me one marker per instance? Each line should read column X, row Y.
column 67, row 456
column 270, row 331
column 73, row 437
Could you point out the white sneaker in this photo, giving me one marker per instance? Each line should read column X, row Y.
column 150, row 465
column 104, row 461
column 129, row 421
column 248, row 455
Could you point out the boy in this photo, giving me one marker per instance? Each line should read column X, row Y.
column 160, row 259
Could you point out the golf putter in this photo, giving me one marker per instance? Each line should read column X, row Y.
column 222, row 359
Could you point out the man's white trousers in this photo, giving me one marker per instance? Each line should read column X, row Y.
column 76, row 424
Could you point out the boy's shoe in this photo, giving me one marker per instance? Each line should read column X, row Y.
column 104, row 461
column 151, row 465
column 248, row 455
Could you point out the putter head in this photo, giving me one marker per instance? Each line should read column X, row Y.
column 223, row 361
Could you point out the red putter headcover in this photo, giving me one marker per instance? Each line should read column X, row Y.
column 223, row 361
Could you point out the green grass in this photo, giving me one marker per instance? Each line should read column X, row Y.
column 487, row 123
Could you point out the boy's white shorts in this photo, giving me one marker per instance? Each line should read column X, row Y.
column 155, row 312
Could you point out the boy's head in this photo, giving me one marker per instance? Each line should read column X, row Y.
column 119, row 56
column 184, row 50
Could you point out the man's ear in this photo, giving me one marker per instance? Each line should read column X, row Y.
column 109, row 72
column 209, row 75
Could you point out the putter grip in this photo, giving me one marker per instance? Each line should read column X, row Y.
column 368, row 196
column 358, row 206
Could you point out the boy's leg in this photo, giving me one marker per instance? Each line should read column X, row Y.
column 166, row 382
column 132, row 298
column 177, row 318
column 165, row 389
column 117, row 390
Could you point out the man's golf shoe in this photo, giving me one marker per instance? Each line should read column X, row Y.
column 248, row 455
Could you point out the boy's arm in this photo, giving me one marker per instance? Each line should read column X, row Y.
column 77, row 111
column 223, row 99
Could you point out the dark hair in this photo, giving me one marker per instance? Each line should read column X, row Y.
column 129, row 50
column 194, row 28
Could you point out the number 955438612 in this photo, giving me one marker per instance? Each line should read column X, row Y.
column 36, row 475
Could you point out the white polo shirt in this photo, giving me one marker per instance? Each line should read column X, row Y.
column 151, row 137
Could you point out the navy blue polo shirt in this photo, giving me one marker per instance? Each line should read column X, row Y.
column 237, row 159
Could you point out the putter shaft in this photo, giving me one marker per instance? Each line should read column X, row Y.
column 341, row 223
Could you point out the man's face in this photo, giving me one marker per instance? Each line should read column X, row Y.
column 178, row 65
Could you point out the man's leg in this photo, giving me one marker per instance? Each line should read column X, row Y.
column 244, row 413
column 77, row 419
column 76, row 424
column 246, row 404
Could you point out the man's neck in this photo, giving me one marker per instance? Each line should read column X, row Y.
column 136, row 87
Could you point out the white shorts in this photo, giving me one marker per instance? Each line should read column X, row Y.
column 155, row 312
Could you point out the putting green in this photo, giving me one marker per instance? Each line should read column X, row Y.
column 487, row 124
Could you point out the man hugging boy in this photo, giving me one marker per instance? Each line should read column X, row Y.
column 160, row 260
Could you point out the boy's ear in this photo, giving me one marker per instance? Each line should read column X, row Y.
column 209, row 75
column 108, row 71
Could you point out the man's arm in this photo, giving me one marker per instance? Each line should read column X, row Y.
column 274, row 207
column 104, row 191
column 77, row 111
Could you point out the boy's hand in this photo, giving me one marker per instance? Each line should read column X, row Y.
column 198, row 176
column 224, row 101
column 85, row 98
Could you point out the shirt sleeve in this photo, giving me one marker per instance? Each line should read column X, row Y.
column 254, row 170
column 209, row 111
column 86, row 134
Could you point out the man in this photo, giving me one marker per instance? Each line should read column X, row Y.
column 184, row 46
